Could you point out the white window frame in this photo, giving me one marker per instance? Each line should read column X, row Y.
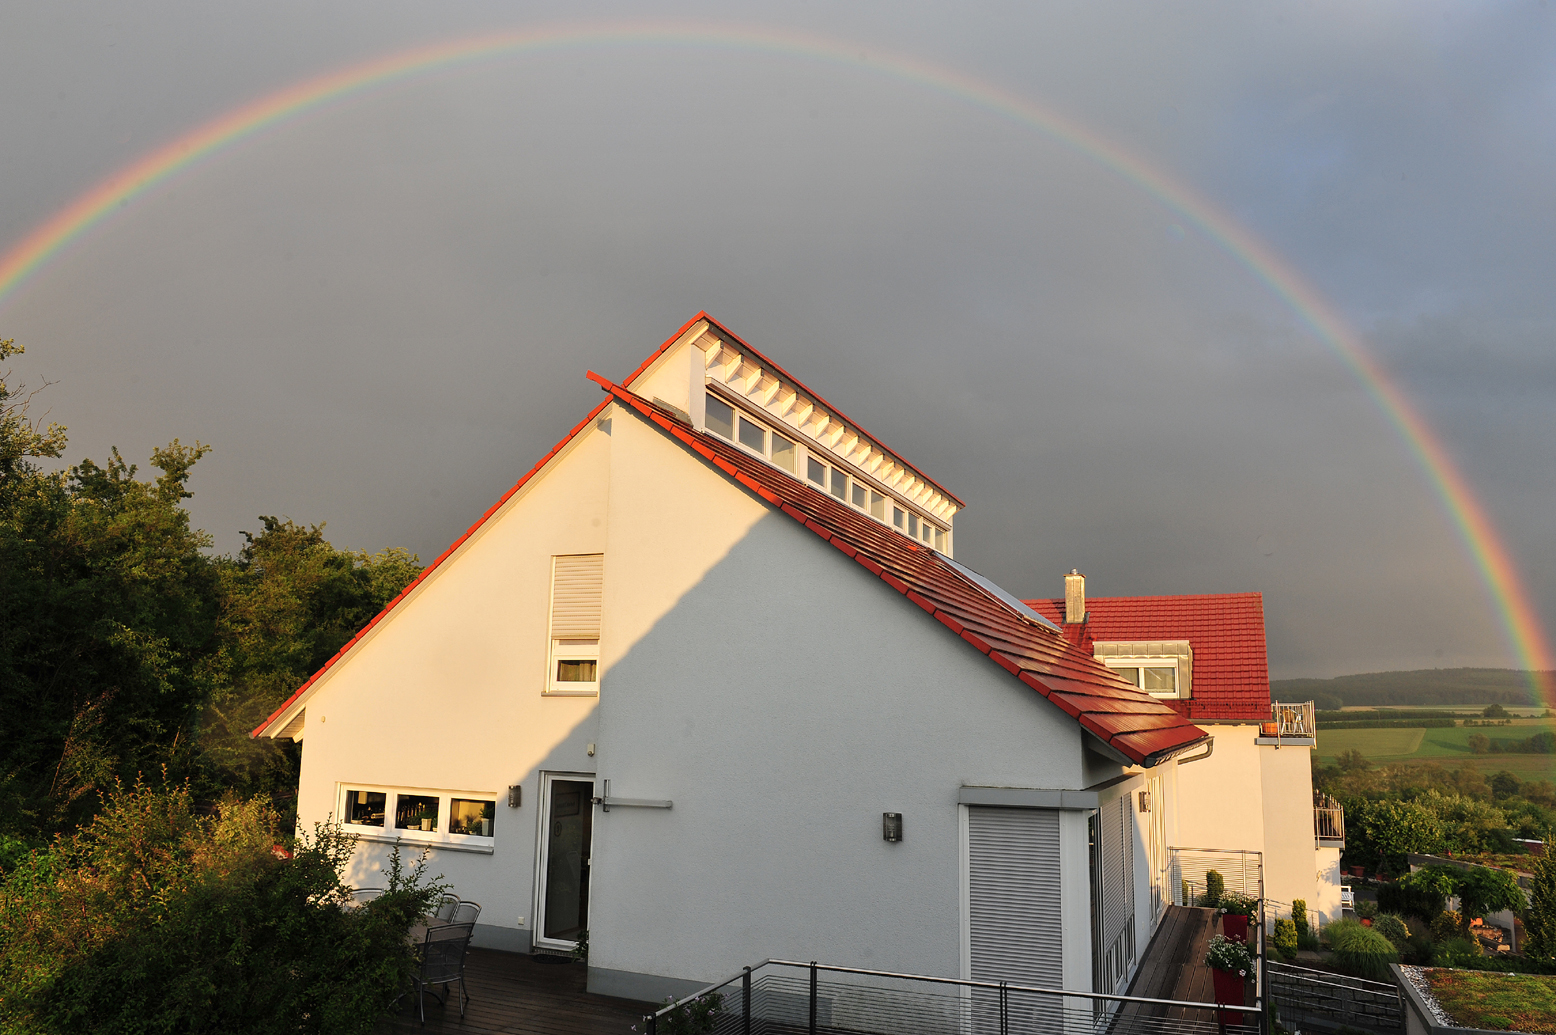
column 804, row 452
column 389, row 834
column 572, row 650
column 1142, row 662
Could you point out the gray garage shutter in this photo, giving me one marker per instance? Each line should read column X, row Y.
column 1013, row 896
column 1118, row 894
column 577, row 587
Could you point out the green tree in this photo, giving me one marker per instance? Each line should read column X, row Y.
column 1540, row 917
column 288, row 602
column 1391, row 830
column 1494, row 711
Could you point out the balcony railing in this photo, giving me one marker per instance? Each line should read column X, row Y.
column 1291, row 719
column 1328, row 821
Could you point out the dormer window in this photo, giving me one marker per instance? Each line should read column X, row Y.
column 1161, row 668
column 577, row 593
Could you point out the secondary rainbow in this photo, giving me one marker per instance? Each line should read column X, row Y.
column 1523, row 628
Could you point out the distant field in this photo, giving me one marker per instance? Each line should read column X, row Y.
column 1449, row 747
column 1447, row 709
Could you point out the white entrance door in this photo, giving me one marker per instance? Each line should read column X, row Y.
column 562, row 887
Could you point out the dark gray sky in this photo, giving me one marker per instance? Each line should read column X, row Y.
column 380, row 314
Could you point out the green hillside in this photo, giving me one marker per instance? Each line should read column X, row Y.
column 1432, row 686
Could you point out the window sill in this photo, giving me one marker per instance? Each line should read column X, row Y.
column 592, row 692
column 479, row 846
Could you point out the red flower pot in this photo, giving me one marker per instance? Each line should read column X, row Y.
column 1230, row 990
column 1234, row 927
column 1366, row 922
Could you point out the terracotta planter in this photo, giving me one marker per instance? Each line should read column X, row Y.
column 1234, row 927
column 1231, row 987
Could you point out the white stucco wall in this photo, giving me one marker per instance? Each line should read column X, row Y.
column 1260, row 798
column 446, row 692
column 783, row 698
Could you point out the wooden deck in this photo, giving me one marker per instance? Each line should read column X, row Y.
column 515, row 995
column 1173, row 966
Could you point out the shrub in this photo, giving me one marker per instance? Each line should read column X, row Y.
column 1457, row 952
column 1360, row 951
column 154, row 918
column 696, row 1016
column 1238, row 905
column 1366, row 909
column 1540, row 916
column 1299, row 915
column 1215, row 887
column 1393, row 928
column 1284, row 939
column 1448, row 925
column 1409, row 899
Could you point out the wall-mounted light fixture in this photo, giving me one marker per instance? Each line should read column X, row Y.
column 891, row 826
column 515, row 795
column 1145, row 801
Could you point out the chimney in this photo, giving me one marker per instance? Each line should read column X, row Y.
column 1074, row 598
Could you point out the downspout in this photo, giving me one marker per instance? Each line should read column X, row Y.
column 1210, row 749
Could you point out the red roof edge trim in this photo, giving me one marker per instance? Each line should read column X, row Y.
column 1005, row 663
column 918, row 599
column 950, row 623
column 429, row 569
column 803, row 387
column 977, row 641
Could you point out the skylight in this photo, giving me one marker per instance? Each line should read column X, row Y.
column 1006, row 598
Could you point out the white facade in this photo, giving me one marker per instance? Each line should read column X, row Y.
column 777, row 696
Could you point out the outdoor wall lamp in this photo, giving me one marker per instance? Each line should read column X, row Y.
column 891, row 826
column 1145, row 801
column 515, row 795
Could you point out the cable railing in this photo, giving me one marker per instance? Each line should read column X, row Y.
column 1328, row 821
column 789, row 997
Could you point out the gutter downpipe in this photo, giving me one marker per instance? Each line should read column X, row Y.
column 1210, row 749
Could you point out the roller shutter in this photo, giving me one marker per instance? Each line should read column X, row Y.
column 1013, row 896
column 577, row 589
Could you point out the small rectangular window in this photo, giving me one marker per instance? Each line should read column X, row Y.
column 471, row 817
column 913, row 525
column 576, row 670
column 858, row 497
column 1160, row 680
column 753, row 436
column 816, row 471
column 839, row 484
column 783, row 452
column 940, row 539
column 365, row 808
column 719, row 416
column 415, row 812
column 1129, row 675
column 897, row 516
column 877, row 505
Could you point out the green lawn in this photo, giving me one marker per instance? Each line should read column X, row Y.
column 1477, row 999
column 1448, row 747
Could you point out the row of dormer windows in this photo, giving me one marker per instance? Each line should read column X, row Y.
column 723, row 420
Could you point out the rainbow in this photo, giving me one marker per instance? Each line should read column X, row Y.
column 1522, row 625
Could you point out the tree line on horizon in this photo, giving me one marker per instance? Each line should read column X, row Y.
column 1421, row 687
column 128, row 651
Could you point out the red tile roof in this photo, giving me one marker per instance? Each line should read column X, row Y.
column 1136, row 725
column 783, row 375
column 1231, row 677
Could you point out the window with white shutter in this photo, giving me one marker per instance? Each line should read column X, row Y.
column 577, row 591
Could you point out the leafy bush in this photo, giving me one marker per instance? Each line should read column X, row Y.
column 1393, row 928
column 694, row 1017
column 1215, row 887
column 1540, row 916
column 154, row 918
column 1420, row 899
column 1457, row 952
column 1448, row 925
column 1360, row 951
column 1366, row 908
column 1299, row 915
column 1225, row 954
column 1284, row 939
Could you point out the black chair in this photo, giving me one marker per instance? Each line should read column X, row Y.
column 442, row 963
column 466, row 913
column 446, row 906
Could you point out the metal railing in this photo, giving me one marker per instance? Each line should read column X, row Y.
column 1328, row 821
column 1242, row 872
column 1293, row 719
column 1306, row 998
column 784, row 996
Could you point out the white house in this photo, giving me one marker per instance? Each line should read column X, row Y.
column 708, row 684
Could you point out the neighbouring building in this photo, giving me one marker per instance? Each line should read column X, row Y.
column 709, row 684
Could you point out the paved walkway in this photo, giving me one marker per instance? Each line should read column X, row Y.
column 515, row 995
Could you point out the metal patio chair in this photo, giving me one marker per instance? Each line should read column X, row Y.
column 446, row 907
column 360, row 897
column 442, row 963
column 467, row 913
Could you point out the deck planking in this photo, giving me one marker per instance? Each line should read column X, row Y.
column 512, row 994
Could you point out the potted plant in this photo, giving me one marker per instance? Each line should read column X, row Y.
column 1235, row 911
column 1230, row 964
